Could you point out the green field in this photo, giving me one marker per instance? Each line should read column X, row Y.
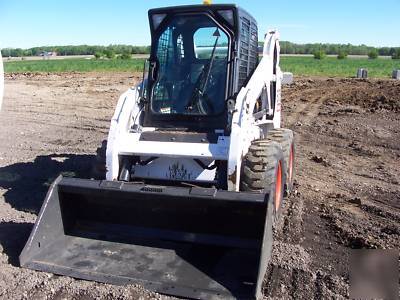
column 300, row 66
column 331, row 66
column 74, row 65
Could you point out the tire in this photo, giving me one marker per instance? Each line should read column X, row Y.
column 99, row 166
column 285, row 138
column 263, row 171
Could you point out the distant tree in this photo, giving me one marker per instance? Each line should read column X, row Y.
column 140, row 50
column 319, row 54
column 342, row 54
column 109, row 53
column 286, row 48
column 98, row 55
column 27, row 52
column 373, row 54
column 5, row 52
column 392, row 51
column 332, row 49
column 396, row 55
column 384, row 51
column 126, row 55
column 18, row 52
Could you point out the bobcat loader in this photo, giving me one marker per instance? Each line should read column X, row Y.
column 196, row 167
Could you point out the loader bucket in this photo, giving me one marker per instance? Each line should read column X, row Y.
column 190, row 242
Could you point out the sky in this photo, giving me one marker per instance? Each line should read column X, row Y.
column 29, row 23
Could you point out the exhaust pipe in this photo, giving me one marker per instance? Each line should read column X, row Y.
column 190, row 242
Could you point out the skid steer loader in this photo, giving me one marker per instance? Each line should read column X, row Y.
column 196, row 167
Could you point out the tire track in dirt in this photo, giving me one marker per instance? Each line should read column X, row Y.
column 304, row 111
column 307, row 106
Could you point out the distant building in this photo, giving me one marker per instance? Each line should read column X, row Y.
column 48, row 53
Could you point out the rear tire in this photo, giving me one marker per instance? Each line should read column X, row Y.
column 285, row 138
column 263, row 171
column 99, row 169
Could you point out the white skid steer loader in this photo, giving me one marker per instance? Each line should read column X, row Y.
column 196, row 167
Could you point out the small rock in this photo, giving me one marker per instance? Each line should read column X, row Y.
column 356, row 200
column 320, row 160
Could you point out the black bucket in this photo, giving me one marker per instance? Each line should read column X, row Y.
column 190, row 242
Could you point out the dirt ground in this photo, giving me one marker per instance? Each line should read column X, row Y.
column 347, row 188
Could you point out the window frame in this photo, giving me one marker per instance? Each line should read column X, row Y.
column 197, row 122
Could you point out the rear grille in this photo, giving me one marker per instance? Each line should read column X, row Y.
column 151, row 189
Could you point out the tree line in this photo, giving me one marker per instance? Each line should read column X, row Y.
column 76, row 50
column 286, row 48
column 336, row 49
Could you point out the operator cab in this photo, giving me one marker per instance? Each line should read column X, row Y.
column 200, row 56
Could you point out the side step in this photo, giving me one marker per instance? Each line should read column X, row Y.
column 189, row 242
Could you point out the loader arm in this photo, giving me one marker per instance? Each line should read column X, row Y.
column 245, row 127
column 127, row 111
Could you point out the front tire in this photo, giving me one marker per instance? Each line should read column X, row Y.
column 285, row 138
column 263, row 171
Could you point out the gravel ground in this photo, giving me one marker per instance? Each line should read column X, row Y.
column 347, row 187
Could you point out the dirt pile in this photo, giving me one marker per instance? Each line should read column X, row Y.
column 370, row 94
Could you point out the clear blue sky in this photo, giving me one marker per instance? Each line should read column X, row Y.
column 28, row 23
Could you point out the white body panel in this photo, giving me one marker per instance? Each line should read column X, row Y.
column 130, row 144
column 179, row 157
column 166, row 168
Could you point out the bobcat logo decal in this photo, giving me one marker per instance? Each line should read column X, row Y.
column 178, row 172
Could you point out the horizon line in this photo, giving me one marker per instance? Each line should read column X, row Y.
column 133, row 45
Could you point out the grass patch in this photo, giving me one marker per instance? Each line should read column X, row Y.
column 331, row 66
column 74, row 65
column 298, row 65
